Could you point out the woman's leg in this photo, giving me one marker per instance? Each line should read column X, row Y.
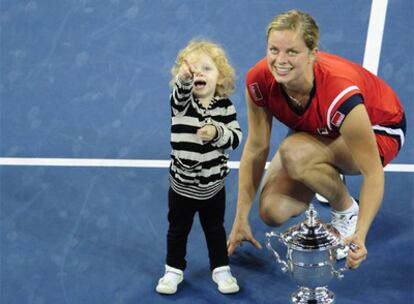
column 305, row 165
column 281, row 197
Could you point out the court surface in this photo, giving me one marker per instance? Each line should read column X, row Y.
column 84, row 148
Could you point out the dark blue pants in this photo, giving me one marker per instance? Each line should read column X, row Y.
column 180, row 216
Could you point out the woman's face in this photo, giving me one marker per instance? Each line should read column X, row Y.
column 289, row 59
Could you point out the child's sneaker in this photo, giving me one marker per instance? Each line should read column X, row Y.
column 345, row 223
column 226, row 283
column 169, row 282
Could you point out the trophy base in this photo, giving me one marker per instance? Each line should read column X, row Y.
column 319, row 295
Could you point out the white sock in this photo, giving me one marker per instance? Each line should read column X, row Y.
column 354, row 207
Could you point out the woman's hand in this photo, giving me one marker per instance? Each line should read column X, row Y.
column 239, row 233
column 357, row 251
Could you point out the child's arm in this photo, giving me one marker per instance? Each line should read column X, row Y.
column 183, row 88
column 229, row 134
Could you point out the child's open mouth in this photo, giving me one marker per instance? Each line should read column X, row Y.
column 199, row 84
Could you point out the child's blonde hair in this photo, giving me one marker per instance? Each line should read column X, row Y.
column 227, row 76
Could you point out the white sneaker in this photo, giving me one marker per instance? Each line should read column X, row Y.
column 169, row 282
column 226, row 283
column 321, row 199
column 345, row 223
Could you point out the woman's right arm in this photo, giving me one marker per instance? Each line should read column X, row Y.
column 252, row 165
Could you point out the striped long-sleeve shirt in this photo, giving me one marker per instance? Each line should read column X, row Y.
column 198, row 168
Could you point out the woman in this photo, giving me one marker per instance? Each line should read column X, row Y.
column 344, row 120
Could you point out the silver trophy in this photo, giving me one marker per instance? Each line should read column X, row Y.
column 310, row 258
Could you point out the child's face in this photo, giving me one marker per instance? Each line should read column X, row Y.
column 205, row 74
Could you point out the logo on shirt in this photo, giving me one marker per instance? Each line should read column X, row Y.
column 255, row 91
column 323, row 131
column 337, row 119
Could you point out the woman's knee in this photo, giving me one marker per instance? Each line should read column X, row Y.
column 271, row 213
column 277, row 208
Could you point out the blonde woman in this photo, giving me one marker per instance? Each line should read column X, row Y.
column 344, row 120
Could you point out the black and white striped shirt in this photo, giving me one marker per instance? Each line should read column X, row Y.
column 198, row 168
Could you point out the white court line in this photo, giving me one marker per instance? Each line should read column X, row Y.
column 83, row 162
column 375, row 33
column 131, row 163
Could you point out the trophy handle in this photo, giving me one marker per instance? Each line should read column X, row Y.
column 283, row 265
column 338, row 273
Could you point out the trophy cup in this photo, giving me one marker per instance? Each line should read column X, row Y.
column 310, row 257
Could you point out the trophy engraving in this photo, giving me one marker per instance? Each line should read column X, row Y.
column 310, row 258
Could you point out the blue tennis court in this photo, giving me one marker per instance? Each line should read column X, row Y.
column 84, row 148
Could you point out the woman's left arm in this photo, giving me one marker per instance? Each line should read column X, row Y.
column 359, row 136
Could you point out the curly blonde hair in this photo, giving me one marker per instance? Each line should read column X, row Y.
column 227, row 76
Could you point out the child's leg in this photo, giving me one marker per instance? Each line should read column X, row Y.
column 180, row 216
column 212, row 221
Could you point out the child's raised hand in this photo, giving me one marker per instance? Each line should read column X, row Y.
column 186, row 72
